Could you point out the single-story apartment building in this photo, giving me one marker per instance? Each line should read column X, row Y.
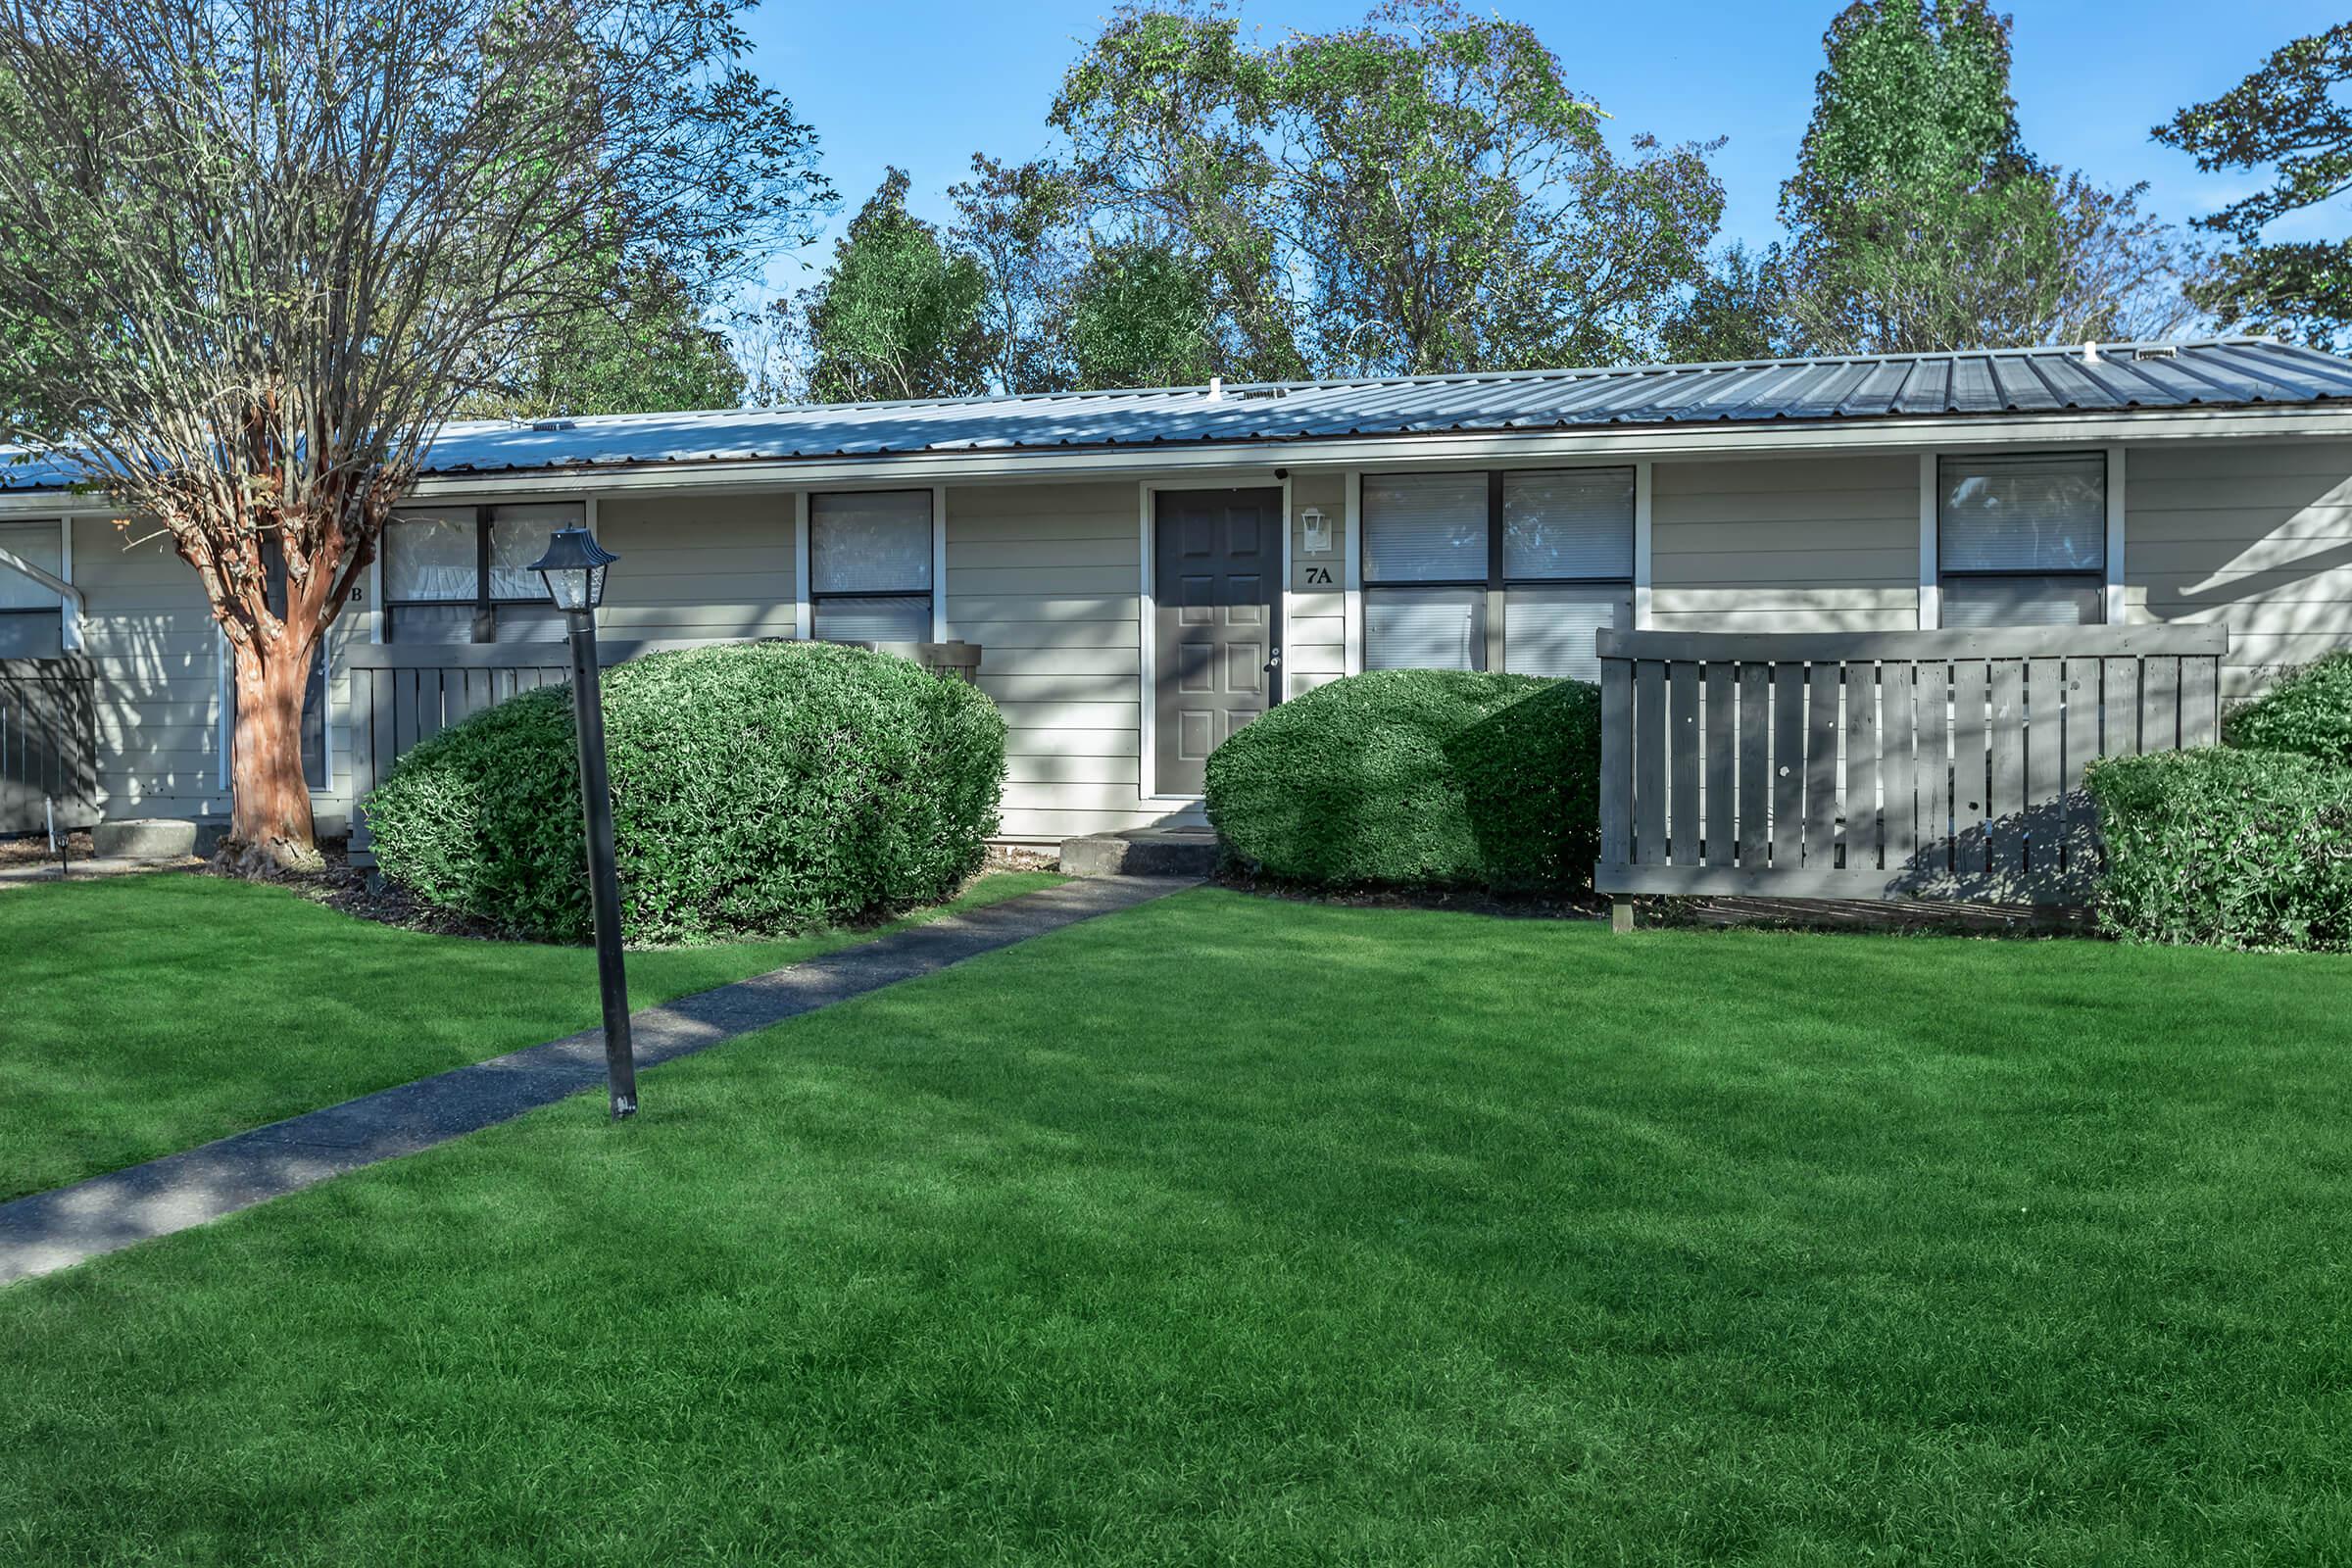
column 1145, row 571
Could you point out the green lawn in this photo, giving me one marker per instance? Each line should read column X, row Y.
column 140, row 1015
column 1233, row 1230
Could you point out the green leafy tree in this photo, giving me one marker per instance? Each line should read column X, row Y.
column 1016, row 221
column 272, row 244
column 1919, row 221
column 2287, row 116
column 898, row 315
column 647, row 349
column 1423, row 192
column 1141, row 316
column 1737, row 311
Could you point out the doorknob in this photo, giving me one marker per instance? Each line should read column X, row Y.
column 1274, row 662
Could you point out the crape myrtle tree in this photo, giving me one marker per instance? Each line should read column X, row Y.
column 271, row 244
column 2289, row 116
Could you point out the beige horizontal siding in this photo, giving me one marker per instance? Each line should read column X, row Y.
column 1046, row 578
column 2257, row 535
column 152, row 640
column 1797, row 544
column 1315, row 649
column 699, row 566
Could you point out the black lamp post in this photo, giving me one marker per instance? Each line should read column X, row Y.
column 573, row 569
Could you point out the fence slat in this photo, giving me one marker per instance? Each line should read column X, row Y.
column 1821, row 768
column 1683, row 822
column 1649, row 762
column 1897, row 714
column 2005, row 797
column 2119, row 707
column 1721, row 736
column 1931, row 683
column 2045, row 758
column 1861, row 766
column 2200, row 686
column 2160, row 704
column 1787, row 764
column 1756, row 762
column 1971, row 767
column 1616, row 761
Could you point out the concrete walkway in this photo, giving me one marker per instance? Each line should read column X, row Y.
column 56, row 1229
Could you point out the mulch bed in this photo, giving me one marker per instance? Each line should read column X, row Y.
column 33, row 849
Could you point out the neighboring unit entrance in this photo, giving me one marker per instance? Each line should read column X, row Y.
column 1215, row 568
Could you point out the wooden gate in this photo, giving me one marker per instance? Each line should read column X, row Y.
column 1934, row 764
column 48, row 743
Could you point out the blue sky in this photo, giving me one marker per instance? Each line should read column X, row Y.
column 924, row 84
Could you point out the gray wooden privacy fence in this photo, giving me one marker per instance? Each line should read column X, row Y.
column 48, row 743
column 1934, row 764
column 402, row 693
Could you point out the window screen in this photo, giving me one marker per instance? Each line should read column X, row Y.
column 1570, row 522
column 1425, row 628
column 2022, row 540
column 869, row 567
column 1425, row 528
column 31, row 625
column 1550, row 630
column 2021, row 601
column 870, row 543
column 431, row 557
column 435, row 590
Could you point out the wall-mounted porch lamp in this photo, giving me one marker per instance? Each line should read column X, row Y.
column 573, row 569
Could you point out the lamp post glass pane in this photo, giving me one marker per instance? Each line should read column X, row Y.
column 574, row 568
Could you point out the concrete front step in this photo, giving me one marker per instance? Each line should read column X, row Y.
column 1143, row 851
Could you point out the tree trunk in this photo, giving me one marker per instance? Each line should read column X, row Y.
column 271, row 830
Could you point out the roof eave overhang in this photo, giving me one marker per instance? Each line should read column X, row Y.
column 1431, row 449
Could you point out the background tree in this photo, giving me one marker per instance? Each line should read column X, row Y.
column 1920, row 223
column 2287, row 116
column 648, row 348
column 1737, row 311
column 898, row 314
column 1140, row 316
column 1016, row 221
column 275, row 242
column 1422, row 192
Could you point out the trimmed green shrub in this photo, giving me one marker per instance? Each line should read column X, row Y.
column 2233, row 848
column 2309, row 711
column 1418, row 778
column 757, row 788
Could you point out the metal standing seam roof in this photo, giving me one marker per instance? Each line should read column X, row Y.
column 2122, row 377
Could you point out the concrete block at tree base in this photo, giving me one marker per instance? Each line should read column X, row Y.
column 144, row 839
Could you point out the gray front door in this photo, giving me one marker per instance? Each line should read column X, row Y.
column 1216, row 566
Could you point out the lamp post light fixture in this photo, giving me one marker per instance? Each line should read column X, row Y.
column 573, row 569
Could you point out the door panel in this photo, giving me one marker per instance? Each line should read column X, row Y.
column 1216, row 555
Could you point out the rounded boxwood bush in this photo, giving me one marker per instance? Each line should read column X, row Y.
column 2309, row 711
column 756, row 788
column 1418, row 778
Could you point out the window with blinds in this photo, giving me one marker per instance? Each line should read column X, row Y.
column 1515, row 571
column 33, row 622
column 869, row 567
column 461, row 574
column 2021, row 540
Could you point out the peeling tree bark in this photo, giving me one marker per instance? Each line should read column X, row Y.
column 270, row 827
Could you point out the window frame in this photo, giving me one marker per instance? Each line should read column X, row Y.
column 2098, row 580
column 485, row 604
column 816, row 600
column 1492, row 646
column 66, row 642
